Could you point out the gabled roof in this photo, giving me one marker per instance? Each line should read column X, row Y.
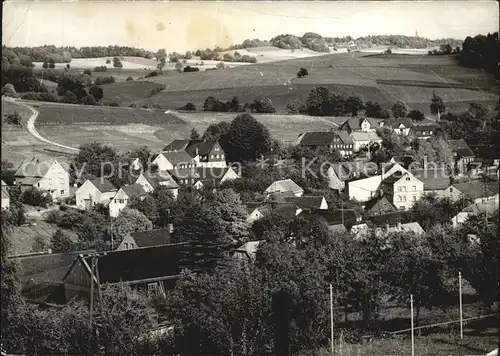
column 364, row 136
column 177, row 145
column 380, row 205
column 184, row 173
column 178, row 158
column 395, row 123
column 134, row 190
column 151, row 238
column 4, row 184
column 464, row 152
column 477, row 189
column 283, row 186
column 279, row 197
column 164, row 178
column 204, row 148
column 35, row 167
column 344, row 136
column 456, row 144
column 103, row 185
column 388, row 218
column 317, row 139
column 350, row 217
column 433, row 179
column 306, row 202
column 355, row 122
column 248, row 249
column 5, row 193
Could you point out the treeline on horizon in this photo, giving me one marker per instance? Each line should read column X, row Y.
column 309, row 40
column 481, row 52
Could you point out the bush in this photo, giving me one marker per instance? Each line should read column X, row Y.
column 35, row 197
column 191, row 69
column 188, row 107
column 114, row 103
column 87, row 72
column 13, row 119
column 53, row 217
column 129, row 79
column 9, row 90
column 104, row 80
column 416, row 115
column 133, row 105
column 302, row 73
column 108, row 61
column 100, row 69
column 221, row 65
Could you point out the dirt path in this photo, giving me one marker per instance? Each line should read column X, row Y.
column 30, row 125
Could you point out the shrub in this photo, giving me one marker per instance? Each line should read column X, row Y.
column 114, row 103
column 53, row 217
column 302, row 73
column 13, row 119
column 133, row 105
column 188, row 107
column 191, row 69
column 9, row 90
column 152, row 74
column 104, row 80
column 129, row 79
column 108, row 61
column 87, row 72
column 221, row 65
column 35, row 197
column 100, row 69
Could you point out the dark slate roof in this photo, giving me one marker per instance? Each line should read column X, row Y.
column 380, row 205
column 392, row 179
column 184, row 173
column 216, row 173
column 103, row 185
column 394, row 123
column 287, row 209
column 204, row 148
column 433, row 179
column 176, row 145
column 344, row 136
column 134, row 190
column 464, row 152
column 477, row 189
column 351, row 217
column 389, row 218
column 151, row 237
column 177, row 158
column 317, row 139
column 306, row 202
column 355, row 122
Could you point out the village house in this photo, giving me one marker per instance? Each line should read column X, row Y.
column 423, row 131
column 304, row 202
column 362, row 139
column 151, row 181
column 339, row 173
column 361, row 124
column 214, row 176
column 186, row 176
column 95, row 191
column 338, row 140
column 47, row 175
column 489, row 207
column 345, row 217
column 462, row 155
column 412, row 227
column 143, row 239
column 284, row 185
column 380, row 205
column 122, row 197
column 400, row 126
column 167, row 161
column 435, row 180
column 403, row 190
column 256, row 211
column 477, row 191
column 205, row 153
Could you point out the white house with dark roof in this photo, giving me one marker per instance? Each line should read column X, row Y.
column 462, row 154
column 400, row 126
column 363, row 139
column 205, row 153
column 95, row 191
column 214, row 176
column 167, row 161
column 150, row 181
column 145, row 239
column 122, row 197
column 403, row 190
column 361, row 124
column 49, row 175
column 338, row 140
column 285, row 185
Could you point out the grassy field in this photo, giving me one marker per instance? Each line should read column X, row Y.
column 385, row 78
column 17, row 142
column 125, row 93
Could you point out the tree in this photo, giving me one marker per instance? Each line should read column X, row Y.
column 108, row 61
column 45, row 65
column 69, row 98
column 89, row 100
column 52, row 63
column 130, row 220
column 220, row 65
column 318, row 102
column 246, row 139
column 216, row 132
column 262, row 106
column 117, row 63
column 62, row 243
column 87, row 72
column 399, row 109
column 302, row 73
column 35, row 197
column 94, row 160
column 375, row 110
column 437, row 105
column 353, row 104
column 97, row 92
column 416, row 115
column 194, row 134
column 13, row 119
column 234, row 104
column 179, row 66
column 129, row 79
column 68, row 66
column 147, row 206
column 188, row 107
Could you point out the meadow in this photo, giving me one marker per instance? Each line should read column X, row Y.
column 383, row 78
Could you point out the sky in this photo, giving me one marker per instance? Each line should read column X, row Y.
column 180, row 26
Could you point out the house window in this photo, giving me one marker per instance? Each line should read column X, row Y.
column 216, row 156
column 407, row 178
column 62, row 191
column 212, row 156
column 414, row 188
column 38, row 185
column 414, row 198
column 120, row 201
column 400, row 189
column 152, row 287
column 126, row 245
column 217, row 148
column 401, row 207
column 221, row 156
column 404, row 189
column 404, row 197
column 451, row 190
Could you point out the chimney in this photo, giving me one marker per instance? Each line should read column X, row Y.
column 170, row 228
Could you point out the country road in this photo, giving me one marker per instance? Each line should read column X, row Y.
column 31, row 126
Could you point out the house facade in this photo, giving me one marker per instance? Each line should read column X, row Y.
column 285, row 185
column 92, row 192
column 361, row 124
column 363, row 139
column 48, row 175
column 205, row 153
column 477, row 191
column 123, row 196
column 167, row 161
column 400, row 126
column 379, row 206
column 214, row 176
column 423, row 132
column 151, row 181
column 338, row 140
column 403, row 190
column 462, row 155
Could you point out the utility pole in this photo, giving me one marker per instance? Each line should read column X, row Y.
column 92, row 269
column 111, row 233
column 460, row 302
column 342, row 210
column 331, row 319
column 412, row 331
